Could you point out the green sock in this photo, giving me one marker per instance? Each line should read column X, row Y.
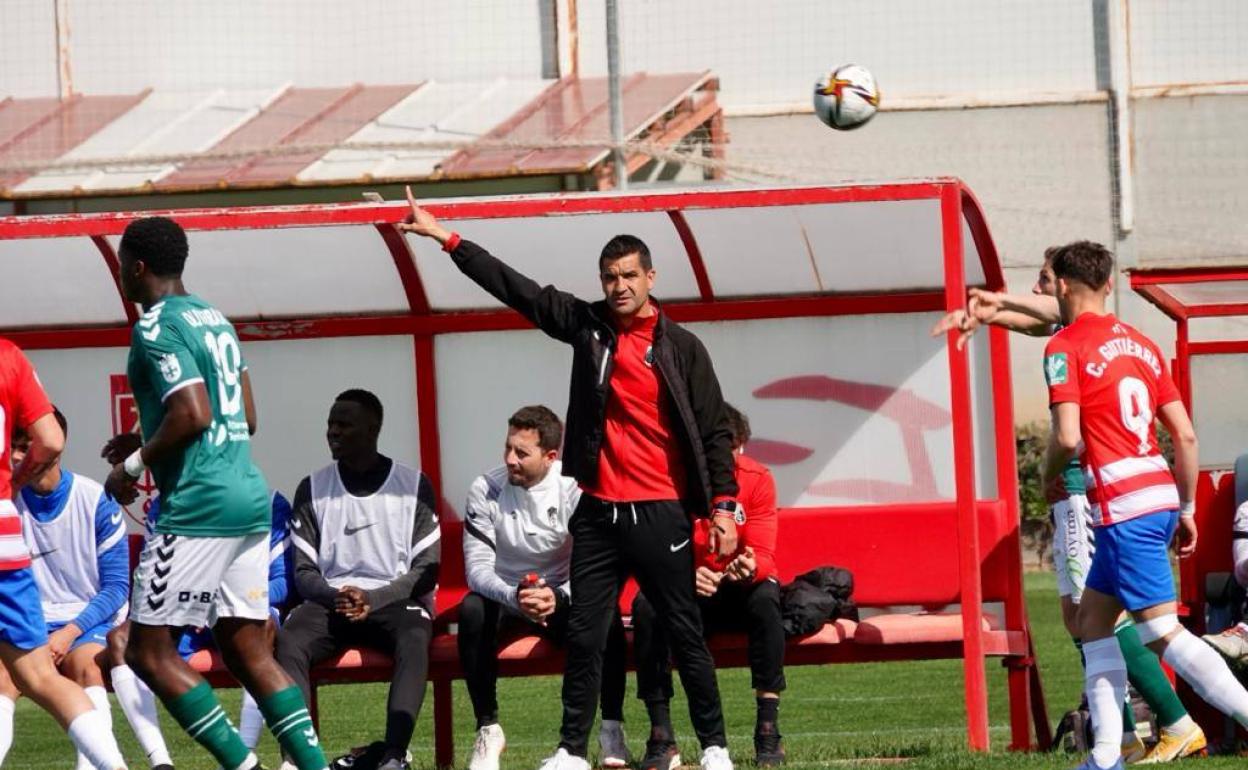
column 288, row 719
column 199, row 713
column 1146, row 675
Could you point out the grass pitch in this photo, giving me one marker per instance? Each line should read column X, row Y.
column 831, row 716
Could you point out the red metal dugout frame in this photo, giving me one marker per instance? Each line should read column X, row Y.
column 957, row 205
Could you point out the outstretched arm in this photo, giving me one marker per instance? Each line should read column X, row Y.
column 555, row 312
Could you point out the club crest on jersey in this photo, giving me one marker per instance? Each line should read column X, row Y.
column 1056, row 371
column 553, row 513
column 649, row 357
column 170, row 368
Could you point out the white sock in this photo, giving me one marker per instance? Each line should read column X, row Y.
column 250, row 721
column 1105, row 680
column 1181, row 727
column 6, row 726
column 1206, row 671
column 138, row 703
column 98, row 696
column 92, row 736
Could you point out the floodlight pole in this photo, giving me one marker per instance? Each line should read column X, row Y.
column 614, row 96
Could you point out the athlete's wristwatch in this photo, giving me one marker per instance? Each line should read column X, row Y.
column 731, row 508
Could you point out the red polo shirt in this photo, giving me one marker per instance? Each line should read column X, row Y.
column 640, row 457
column 758, row 497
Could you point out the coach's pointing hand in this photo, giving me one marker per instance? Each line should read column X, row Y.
column 421, row 222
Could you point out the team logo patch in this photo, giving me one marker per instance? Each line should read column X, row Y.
column 170, row 368
column 1055, row 370
column 649, row 358
column 553, row 513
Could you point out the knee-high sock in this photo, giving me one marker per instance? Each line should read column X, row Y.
column 200, row 714
column 250, row 721
column 138, row 703
column 1206, row 671
column 99, row 697
column 92, row 736
column 1106, row 687
column 1146, row 675
column 288, row 720
column 6, row 726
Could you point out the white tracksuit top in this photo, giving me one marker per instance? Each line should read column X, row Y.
column 510, row 531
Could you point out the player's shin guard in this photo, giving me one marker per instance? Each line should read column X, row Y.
column 93, row 736
column 250, row 721
column 1106, row 687
column 1206, row 671
column 200, row 714
column 288, row 719
column 99, row 698
column 138, row 703
column 6, row 726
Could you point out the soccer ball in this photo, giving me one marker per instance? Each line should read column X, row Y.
column 847, row 97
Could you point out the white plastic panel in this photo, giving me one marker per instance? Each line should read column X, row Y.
column 754, row 252
column 973, row 268
column 984, row 430
column 560, row 250
column 1220, row 328
column 876, row 246
column 1208, row 292
column 1218, row 408
column 295, row 383
column 56, row 282
column 483, row 379
column 165, row 123
column 835, row 426
column 294, row 272
column 436, row 112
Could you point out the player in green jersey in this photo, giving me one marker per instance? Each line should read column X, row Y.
column 207, row 563
column 1037, row 315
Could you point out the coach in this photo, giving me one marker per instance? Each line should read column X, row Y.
column 648, row 442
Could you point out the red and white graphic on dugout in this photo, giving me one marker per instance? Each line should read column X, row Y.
column 913, row 414
column 125, row 414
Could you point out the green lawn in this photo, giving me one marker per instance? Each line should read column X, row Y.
column 832, row 716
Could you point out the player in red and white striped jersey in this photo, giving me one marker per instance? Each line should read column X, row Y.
column 1107, row 384
column 23, row 634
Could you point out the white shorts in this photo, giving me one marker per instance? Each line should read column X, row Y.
column 1073, row 544
column 193, row 581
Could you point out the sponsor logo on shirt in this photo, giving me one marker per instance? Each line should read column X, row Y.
column 1055, row 369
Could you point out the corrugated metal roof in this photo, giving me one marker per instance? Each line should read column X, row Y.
column 286, row 135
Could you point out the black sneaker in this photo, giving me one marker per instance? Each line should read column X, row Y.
column 165, row 766
column 661, row 754
column 361, row 758
column 768, row 752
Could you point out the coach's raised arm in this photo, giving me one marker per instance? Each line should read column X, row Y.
column 649, row 443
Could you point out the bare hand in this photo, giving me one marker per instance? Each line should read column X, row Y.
column 352, row 603
column 964, row 322
column 537, row 603
column 60, row 640
column 743, row 568
column 421, row 222
column 121, row 485
column 121, row 446
column 706, row 581
column 723, row 535
column 983, row 305
column 1186, row 536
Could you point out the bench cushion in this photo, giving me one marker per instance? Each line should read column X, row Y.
column 912, row 628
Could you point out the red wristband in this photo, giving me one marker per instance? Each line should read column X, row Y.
column 452, row 243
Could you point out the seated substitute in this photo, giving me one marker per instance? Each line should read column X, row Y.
column 1233, row 642
column 77, row 538
column 367, row 549
column 516, row 525
column 137, row 700
column 740, row 592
